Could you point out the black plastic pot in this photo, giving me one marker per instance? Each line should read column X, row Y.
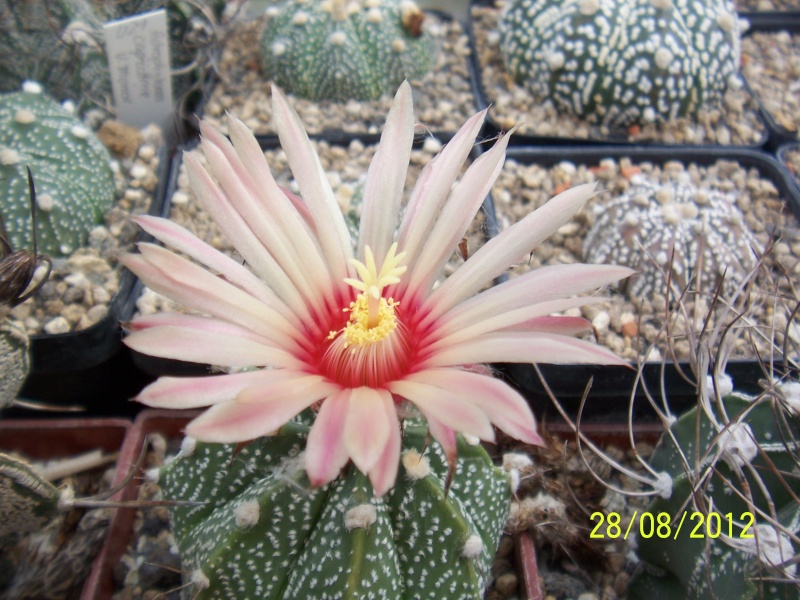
column 613, row 387
column 773, row 22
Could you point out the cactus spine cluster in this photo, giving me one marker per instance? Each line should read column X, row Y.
column 735, row 458
column 75, row 184
column 622, row 62
column 341, row 50
column 261, row 532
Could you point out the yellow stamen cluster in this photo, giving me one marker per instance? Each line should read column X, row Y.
column 372, row 317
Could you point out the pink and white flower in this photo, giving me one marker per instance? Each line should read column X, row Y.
column 355, row 331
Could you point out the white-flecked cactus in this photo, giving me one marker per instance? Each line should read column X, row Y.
column 262, row 532
column 676, row 228
column 341, row 50
column 622, row 62
column 75, row 184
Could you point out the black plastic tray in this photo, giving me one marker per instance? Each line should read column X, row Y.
column 613, row 386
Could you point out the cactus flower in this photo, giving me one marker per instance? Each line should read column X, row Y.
column 356, row 330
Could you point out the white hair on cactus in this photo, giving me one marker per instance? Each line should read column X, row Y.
column 200, row 579
column 417, row 466
column 663, row 485
column 361, row 516
column 737, row 445
column 247, row 514
column 32, row 87
column 771, row 547
column 188, row 444
column 472, row 547
column 517, row 460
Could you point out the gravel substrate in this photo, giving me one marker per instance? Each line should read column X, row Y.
column 82, row 285
column 346, row 168
column 443, row 99
column 735, row 122
column 628, row 327
column 771, row 65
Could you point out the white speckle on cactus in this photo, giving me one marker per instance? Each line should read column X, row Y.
column 32, row 87
column 9, row 156
column 514, row 480
column 69, row 106
column 662, row 4
column 555, row 60
column 663, row 58
column 417, row 466
column 200, row 579
column 247, row 514
column 771, row 547
column 188, row 445
column 272, row 11
column 300, row 18
column 737, row 445
column 278, row 48
column 361, row 517
column 472, row 547
column 663, row 485
column 517, row 460
column 337, row 38
column 79, row 131
column 65, row 249
column 589, row 7
column 24, row 117
column 398, row 46
column 374, row 16
column 45, row 202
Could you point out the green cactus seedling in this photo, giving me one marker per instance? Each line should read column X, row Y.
column 262, row 532
column 622, row 62
column 75, row 184
column 742, row 475
column 338, row 50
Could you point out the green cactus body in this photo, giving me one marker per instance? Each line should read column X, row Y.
column 14, row 360
column 74, row 182
column 339, row 50
column 706, row 567
column 622, row 62
column 263, row 533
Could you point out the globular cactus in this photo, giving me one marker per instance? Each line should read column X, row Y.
column 735, row 460
column 262, row 532
column 75, row 184
column 341, row 50
column 622, row 62
column 61, row 43
column 677, row 227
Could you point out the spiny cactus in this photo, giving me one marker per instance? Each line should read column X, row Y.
column 653, row 227
column 736, row 459
column 621, row 62
column 340, row 50
column 61, row 44
column 75, row 185
column 263, row 533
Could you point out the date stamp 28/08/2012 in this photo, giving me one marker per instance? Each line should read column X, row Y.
column 662, row 525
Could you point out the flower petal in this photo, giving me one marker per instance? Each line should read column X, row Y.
column 259, row 410
column 386, row 177
column 384, row 473
column 194, row 392
column 523, row 347
column 206, row 347
column 445, row 407
column 433, row 187
column 456, row 217
column 446, row 438
column 506, row 408
column 314, row 187
column 368, row 428
column 326, row 453
column 509, row 247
